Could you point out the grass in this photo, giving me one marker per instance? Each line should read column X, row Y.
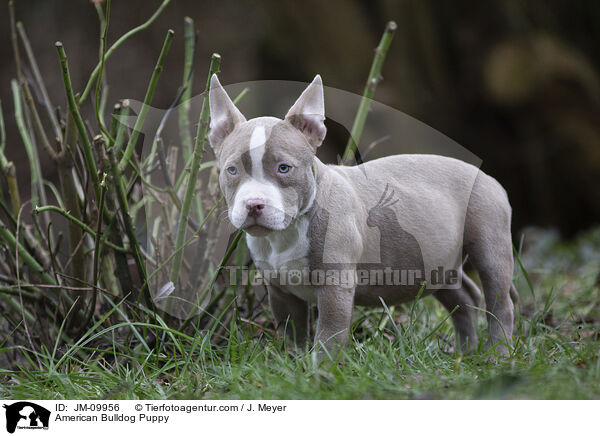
column 556, row 355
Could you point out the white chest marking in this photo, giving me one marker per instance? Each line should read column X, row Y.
column 285, row 252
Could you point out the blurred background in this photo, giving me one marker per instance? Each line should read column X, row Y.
column 514, row 82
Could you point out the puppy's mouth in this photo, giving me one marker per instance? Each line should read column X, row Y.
column 256, row 226
column 257, row 230
column 261, row 225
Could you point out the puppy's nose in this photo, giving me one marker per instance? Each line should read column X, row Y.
column 255, row 207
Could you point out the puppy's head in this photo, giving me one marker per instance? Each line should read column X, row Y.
column 266, row 163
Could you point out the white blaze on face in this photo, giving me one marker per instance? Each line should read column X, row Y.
column 258, row 187
column 257, row 151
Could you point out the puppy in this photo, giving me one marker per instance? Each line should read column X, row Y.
column 390, row 229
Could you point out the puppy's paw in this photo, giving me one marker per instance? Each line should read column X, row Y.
column 497, row 352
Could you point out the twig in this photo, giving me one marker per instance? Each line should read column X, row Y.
column 121, row 128
column 74, row 110
column 37, row 187
column 129, row 228
column 191, row 186
column 37, row 122
column 38, row 79
column 97, row 250
column 7, row 212
column 184, row 109
column 148, row 160
column 259, row 326
column 41, row 286
column 13, row 38
column 97, row 247
column 139, row 122
column 23, row 122
column 114, row 124
column 81, row 224
column 26, row 293
column 16, row 307
column 165, row 174
column 35, row 246
column 53, row 263
column 371, row 85
column 8, row 168
column 120, row 41
column 105, row 24
column 16, row 250
column 70, row 196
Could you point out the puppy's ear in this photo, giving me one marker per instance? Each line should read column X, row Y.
column 308, row 113
column 224, row 116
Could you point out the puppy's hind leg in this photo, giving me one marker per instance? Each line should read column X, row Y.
column 462, row 317
column 488, row 243
column 495, row 265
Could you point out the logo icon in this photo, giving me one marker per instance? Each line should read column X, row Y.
column 26, row 415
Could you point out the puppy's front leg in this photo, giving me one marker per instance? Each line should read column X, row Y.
column 335, row 304
column 291, row 315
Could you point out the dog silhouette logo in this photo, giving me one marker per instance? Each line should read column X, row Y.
column 26, row 415
column 392, row 235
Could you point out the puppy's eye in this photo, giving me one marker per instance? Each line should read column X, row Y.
column 232, row 170
column 283, row 168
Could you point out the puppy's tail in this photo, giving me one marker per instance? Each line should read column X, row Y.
column 472, row 289
column 514, row 296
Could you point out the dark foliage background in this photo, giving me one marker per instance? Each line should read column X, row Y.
column 514, row 82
